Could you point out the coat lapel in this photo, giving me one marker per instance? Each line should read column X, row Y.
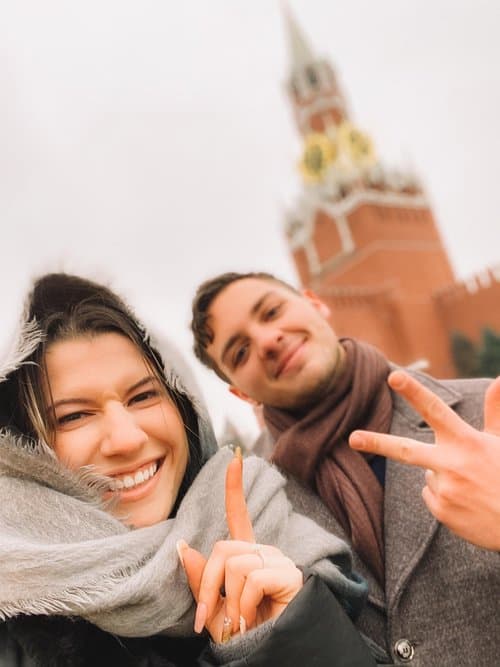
column 307, row 502
column 409, row 526
column 375, row 592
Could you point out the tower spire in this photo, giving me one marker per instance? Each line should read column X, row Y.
column 311, row 84
column 300, row 52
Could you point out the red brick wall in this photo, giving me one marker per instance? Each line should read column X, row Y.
column 399, row 250
column 469, row 312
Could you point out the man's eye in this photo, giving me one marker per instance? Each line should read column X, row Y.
column 240, row 355
column 271, row 313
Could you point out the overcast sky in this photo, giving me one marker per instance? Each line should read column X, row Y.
column 151, row 142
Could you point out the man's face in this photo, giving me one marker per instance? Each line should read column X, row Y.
column 276, row 347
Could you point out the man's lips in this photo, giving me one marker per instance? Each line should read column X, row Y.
column 287, row 357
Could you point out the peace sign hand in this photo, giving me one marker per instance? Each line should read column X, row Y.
column 462, row 466
column 258, row 581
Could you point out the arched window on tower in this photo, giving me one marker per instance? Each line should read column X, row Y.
column 312, row 76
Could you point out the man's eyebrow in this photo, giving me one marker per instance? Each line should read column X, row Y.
column 85, row 401
column 253, row 311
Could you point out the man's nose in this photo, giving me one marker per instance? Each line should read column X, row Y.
column 269, row 342
column 122, row 434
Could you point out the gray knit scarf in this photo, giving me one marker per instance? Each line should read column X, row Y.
column 62, row 553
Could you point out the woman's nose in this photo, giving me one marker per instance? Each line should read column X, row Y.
column 122, row 434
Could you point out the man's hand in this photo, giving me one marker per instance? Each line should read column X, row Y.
column 462, row 466
column 258, row 580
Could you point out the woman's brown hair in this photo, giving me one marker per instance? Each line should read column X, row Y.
column 66, row 307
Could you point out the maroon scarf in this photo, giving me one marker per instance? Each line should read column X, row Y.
column 314, row 448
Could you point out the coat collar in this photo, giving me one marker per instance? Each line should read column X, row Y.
column 409, row 526
column 405, row 416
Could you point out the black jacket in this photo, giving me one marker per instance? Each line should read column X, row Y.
column 314, row 631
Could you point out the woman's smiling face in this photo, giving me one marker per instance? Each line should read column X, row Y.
column 112, row 413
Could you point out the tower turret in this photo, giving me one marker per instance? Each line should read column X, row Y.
column 312, row 85
column 361, row 235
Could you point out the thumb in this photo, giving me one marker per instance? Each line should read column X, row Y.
column 193, row 563
column 492, row 408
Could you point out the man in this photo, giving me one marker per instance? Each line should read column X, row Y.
column 435, row 598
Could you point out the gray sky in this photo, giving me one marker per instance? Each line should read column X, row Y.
column 151, row 143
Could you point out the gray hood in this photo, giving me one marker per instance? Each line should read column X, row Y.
column 60, row 291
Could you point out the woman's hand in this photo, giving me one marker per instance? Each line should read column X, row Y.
column 257, row 581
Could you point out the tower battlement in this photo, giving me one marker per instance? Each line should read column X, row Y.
column 460, row 290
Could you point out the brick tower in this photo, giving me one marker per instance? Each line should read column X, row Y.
column 362, row 236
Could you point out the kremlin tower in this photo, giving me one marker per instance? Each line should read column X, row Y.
column 364, row 238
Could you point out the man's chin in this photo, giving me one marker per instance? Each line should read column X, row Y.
column 307, row 392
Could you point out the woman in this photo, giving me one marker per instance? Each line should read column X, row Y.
column 101, row 444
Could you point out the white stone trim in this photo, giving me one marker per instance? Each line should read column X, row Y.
column 472, row 285
column 311, row 202
column 305, row 211
column 314, row 265
column 376, row 246
column 484, row 278
column 338, row 211
column 356, row 198
column 495, row 272
column 344, row 233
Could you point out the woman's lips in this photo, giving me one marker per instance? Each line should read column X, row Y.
column 137, row 492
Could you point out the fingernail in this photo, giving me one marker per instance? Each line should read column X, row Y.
column 237, row 453
column 201, row 617
column 397, row 379
column 356, row 440
column 243, row 625
column 227, row 630
column 181, row 545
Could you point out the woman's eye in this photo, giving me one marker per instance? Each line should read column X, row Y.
column 144, row 396
column 70, row 418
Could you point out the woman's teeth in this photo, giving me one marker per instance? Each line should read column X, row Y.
column 131, row 481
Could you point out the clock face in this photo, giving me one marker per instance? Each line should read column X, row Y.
column 356, row 144
column 344, row 147
column 319, row 153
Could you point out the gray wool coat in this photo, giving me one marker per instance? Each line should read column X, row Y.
column 441, row 604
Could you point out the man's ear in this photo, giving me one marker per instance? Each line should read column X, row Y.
column 320, row 305
column 241, row 394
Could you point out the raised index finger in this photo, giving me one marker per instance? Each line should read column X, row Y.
column 441, row 418
column 238, row 519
